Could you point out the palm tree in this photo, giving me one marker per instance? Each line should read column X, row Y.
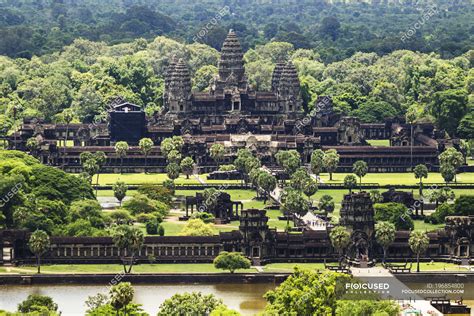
column 385, row 235
column 360, row 168
column 340, row 240
column 121, row 149
column 100, row 159
column 121, row 295
column 67, row 117
column 350, row 182
column 39, row 243
column 146, row 145
column 217, row 153
column 418, row 242
column 129, row 240
column 420, row 172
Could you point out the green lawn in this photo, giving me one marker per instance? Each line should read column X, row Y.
column 379, row 142
column 116, row 268
column 288, row 267
column 398, row 178
column 435, row 266
column 470, row 162
column 140, row 178
column 421, row 225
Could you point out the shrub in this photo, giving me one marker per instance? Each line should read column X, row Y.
column 151, row 227
column 204, row 216
column 395, row 213
column 231, row 261
column 157, row 193
column 144, row 217
column 464, row 205
column 161, row 230
column 441, row 212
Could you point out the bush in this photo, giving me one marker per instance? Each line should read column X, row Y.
column 464, row 205
column 144, row 217
column 161, row 230
column 151, row 227
column 441, row 212
column 231, row 261
column 141, row 203
column 395, row 213
column 227, row 168
column 204, row 216
column 121, row 217
column 37, row 303
column 157, row 193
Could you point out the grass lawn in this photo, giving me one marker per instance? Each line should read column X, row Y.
column 397, row 178
column 288, row 267
column 140, row 178
column 421, row 225
column 435, row 266
column 470, row 162
column 116, row 268
column 379, row 142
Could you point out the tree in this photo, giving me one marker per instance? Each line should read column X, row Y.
column 448, row 173
column 194, row 303
column 330, row 161
column 121, row 295
column 340, row 240
column 217, row 153
column 231, row 261
column 146, row 145
column 326, row 203
column 121, row 149
column 174, row 156
column 421, row 172
column 172, row 170
column 298, row 178
column 367, row 307
column 375, row 196
column 268, row 183
column 450, row 160
column 306, row 292
column 360, row 169
column 350, row 182
column 449, row 107
column 317, row 162
column 38, row 305
column 330, row 27
column 33, row 145
column 196, row 227
column 310, row 187
column 129, row 240
column 187, row 166
column 120, row 191
column 293, row 203
column 395, row 213
column 442, row 195
column 418, row 242
column 385, row 236
column 464, row 205
column 100, row 159
column 289, row 160
column 39, row 243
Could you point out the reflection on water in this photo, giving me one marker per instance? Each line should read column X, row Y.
column 245, row 298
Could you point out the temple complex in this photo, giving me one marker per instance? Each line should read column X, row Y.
column 259, row 242
column 234, row 114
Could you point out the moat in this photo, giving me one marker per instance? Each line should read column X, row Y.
column 245, row 298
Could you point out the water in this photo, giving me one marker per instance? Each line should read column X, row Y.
column 244, row 298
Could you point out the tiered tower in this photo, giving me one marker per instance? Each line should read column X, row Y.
column 178, row 94
column 289, row 89
column 276, row 75
column 231, row 67
column 357, row 215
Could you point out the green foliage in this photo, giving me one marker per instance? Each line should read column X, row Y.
column 187, row 166
column 39, row 244
column 156, row 192
column 38, row 303
column 227, row 167
column 152, row 227
column 140, row 203
column 289, row 160
column 464, row 205
column 367, row 307
column 120, row 217
column 231, row 261
column 267, row 182
column 385, row 235
column 194, row 303
column 418, row 242
column 440, row 214
column 394, row 213
column 306, row 293
column 129, row 239
column 340, row 238
column 330, row 161
column 326, row 203
column 217, row 152
column 196, row 227
column 317, row 161
column 350, row 182
column 172, row 170
column 204, row 216
column 294, row 203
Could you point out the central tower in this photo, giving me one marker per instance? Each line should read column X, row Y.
column 231, row 78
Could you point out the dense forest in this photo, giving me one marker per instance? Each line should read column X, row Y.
column 85, row 76
column 336, row 30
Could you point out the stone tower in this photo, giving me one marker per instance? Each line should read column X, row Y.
column 178, row 95
column 231, row 76
column 289, row 89
column 168, row 72
column 357, row 215
column 276, row 75
column 255, row 233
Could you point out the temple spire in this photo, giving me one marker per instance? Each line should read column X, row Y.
column 231, row 63
column 179, row 88
column 289, row 88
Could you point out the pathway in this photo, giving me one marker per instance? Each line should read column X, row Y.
column 276, row 194
column 197, row 177
column 397, row 286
